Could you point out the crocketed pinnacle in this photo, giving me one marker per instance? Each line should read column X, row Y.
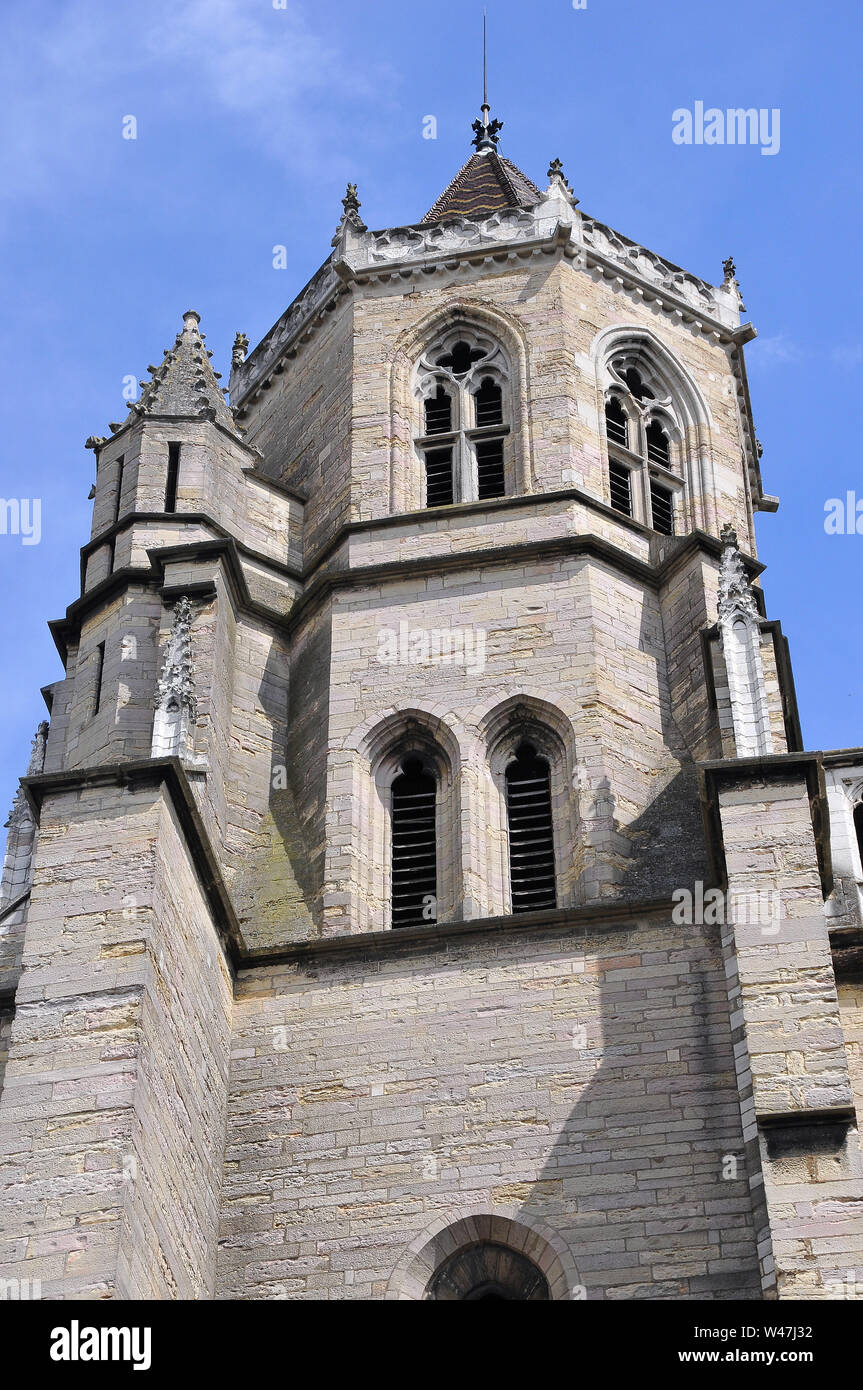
column 185, row 383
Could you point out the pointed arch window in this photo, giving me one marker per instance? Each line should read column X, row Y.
column 616, row 423
column 463, row 384
column 531, row 831
column 414, row 844
column 644, row 473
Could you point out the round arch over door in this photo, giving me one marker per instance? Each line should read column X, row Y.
column 488, row 1271
column 482, row 1255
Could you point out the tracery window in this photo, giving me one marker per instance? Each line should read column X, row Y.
column 644, row 464
column 463, row 439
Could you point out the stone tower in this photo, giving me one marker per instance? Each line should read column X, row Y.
column 422, row 890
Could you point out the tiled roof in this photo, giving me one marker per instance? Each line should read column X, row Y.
column 487, row 183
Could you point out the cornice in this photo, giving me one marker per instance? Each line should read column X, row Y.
column 425, row 249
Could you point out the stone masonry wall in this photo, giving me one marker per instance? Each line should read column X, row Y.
column 170, row 1231
column 583, row 1080
column 112, row 1112
column 791, row 1052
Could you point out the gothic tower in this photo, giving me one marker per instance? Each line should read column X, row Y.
column 422, row 890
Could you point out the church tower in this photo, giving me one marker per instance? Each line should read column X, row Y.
column 421, row 889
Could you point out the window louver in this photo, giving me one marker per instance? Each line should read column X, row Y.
column 616, row 423
column 531, row 835
column 414, row 849
column 662, row 508
column 621, row 488
column 489, row 467
column 439, row 489
column 489, row 404
column 657, row 444
column 438, row 413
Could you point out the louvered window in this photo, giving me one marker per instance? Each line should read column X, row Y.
column 414, row 847
column 531, row 834
column 662, row 509
column 438, row 410
column 439, row 481
column 621, row 487
column 616, row 422
column 490, row 469
column 657, row 444
column 463, row 386
column 489, row 404
column 639, row 485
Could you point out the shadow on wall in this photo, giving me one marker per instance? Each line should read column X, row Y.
column 278, row 884
column 647, row 1171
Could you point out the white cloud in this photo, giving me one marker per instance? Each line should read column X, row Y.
column 69, row 70
column 768, row 352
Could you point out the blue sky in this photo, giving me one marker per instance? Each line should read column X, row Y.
column 250, row 120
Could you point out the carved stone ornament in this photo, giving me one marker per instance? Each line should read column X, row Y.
column 736, row 597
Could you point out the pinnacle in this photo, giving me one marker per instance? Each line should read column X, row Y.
column 184, row 382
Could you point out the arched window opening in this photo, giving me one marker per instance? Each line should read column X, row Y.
column 858, row 826
column 658, row 449
column 489, row 403
column 414, row 845
column 438, row 410
column 642, row 489
column 488, row 1272
column 463, row 383
column 616, row 423
column 531, row 831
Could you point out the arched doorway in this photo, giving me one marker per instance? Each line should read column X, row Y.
column 488, row 1272
column 483, row 1256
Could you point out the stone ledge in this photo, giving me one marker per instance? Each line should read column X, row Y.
column 607, row 916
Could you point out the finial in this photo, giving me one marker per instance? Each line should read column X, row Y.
column 351, row 202
column 190, row 322
column 351, row 214
column 555, row 171
column 730, row 281
column 241, row 347
column 486, row 133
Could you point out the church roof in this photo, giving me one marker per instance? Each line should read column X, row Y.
column 185, row 383
column 487, row 183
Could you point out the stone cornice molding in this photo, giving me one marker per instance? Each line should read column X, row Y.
column 362, row 256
